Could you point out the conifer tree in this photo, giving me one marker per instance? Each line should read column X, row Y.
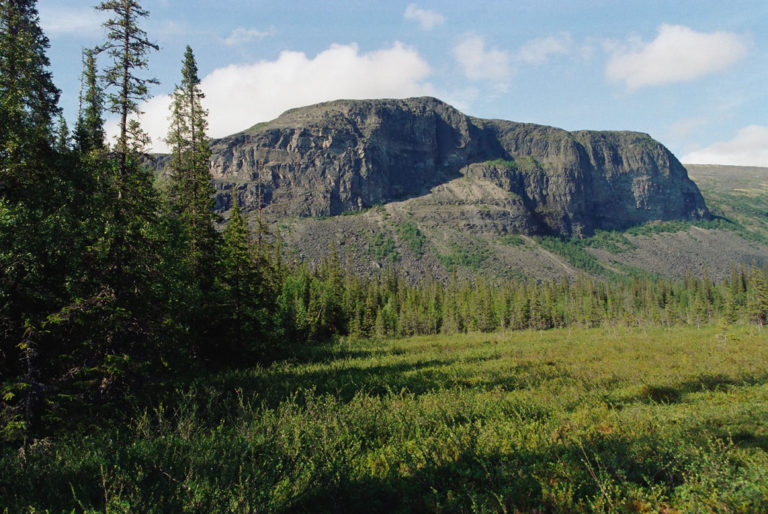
column 128, row 46
column 62, row 136
column 89, row 130
column 192, row 190
column 245, row 317
column 35, row 220
column 133, row 206
column 117, row 319
column 28, row 100
column 191, row 199
column 757, row 303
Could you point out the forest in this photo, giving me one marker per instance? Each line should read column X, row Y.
column 118, row 290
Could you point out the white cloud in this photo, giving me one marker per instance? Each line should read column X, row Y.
column 242, row 35
column 678, row 54
column 748, row 148
column 239, row 96
column 425, row 18
column 538, row 51
column 60, row 21
column 481, row 64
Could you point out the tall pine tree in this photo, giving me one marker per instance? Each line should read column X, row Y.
column 35, row 216
column 191, row 187
column 128, row 46
column 28, row 100
column 89, row 131
column 191, row 196
column 133, row 207
column 117, row 324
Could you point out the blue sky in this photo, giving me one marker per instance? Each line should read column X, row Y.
column 692, row 73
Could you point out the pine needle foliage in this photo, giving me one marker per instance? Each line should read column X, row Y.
column 128, row 47
column 89, row 130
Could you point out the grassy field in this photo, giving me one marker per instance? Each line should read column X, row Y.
column 609, row 419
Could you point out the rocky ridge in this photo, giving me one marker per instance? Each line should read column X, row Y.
column 349, row 155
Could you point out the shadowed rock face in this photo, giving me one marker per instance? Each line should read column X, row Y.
column 347, row 155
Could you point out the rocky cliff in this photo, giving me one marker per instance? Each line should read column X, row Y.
column 343, row 156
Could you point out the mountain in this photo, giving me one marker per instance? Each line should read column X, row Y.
column 416, row 184
column 346, row 156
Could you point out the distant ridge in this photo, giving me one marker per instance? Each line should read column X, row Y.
column 348, row 155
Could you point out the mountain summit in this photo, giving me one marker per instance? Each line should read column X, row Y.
column 348, row 155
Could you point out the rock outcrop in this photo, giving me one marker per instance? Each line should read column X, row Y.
column 346, row 155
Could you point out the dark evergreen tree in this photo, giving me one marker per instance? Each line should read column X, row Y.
column 246, row 319
column 133, row 204
column 62, row 136
column 36, row 222
column 128, row 46
column 191, row 196
column 757, row 302
column 113, row 325
column 28, row 105
column 89, row 130
column 191, row 188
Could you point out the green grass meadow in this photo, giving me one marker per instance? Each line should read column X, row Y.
column 605, row 419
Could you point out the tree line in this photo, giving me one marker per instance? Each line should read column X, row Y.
column 330, row 300
column 113, row 283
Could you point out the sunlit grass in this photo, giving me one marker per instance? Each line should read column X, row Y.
column 609, row 419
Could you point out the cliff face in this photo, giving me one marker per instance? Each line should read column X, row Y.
column 341, row 156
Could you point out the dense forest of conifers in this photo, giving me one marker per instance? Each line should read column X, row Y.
column 113, row 284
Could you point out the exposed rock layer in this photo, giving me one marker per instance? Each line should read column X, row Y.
column 347, row 155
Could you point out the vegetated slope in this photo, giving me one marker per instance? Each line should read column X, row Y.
column 739, row 193
column 738, row 199
column 647, row 419
column 425, row 236
column 455, row 228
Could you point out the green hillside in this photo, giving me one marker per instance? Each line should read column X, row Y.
column 738, row 193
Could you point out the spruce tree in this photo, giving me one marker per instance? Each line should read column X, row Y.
column 133, row 206
column 128, row 46
column 62, row 136
column 191, row 188
column 247, row 302
column 28, row 100
column 191, row 196
column 89, row 130
column 117, row 321
column 35, row 215
column 757, row 301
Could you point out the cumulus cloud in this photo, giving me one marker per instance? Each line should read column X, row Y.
column 425, row 18
column 479, row 63
column 242, row 35
column 63, row 21
column 748, row 148
column 678, row 54
column 538, row 51
column 239, row 96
